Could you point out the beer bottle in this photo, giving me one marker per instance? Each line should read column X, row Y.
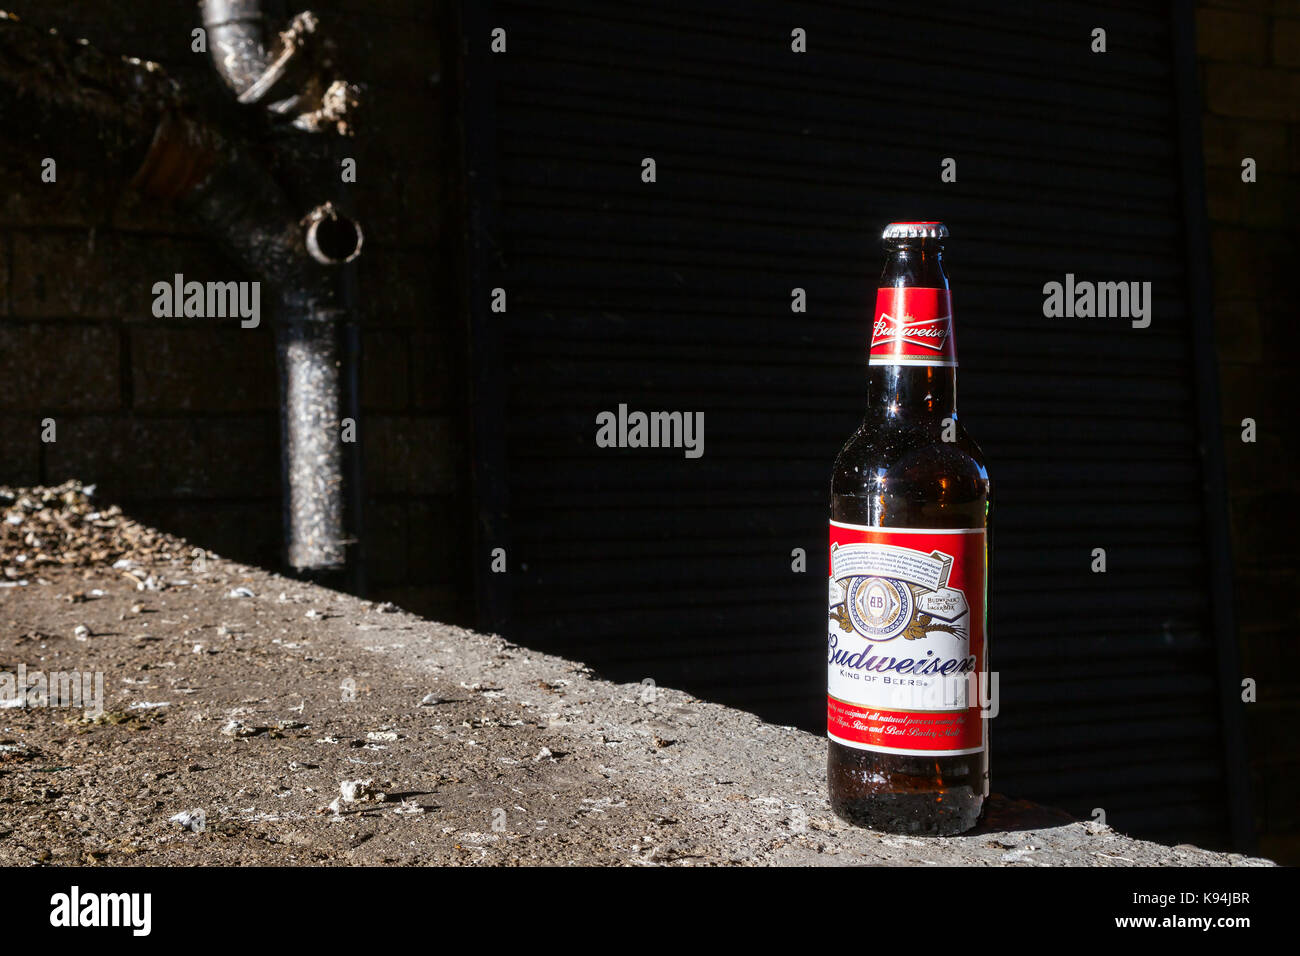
column 910, row 499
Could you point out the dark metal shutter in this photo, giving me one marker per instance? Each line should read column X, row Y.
column 776, row 170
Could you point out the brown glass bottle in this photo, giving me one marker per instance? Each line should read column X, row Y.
column 897, row 471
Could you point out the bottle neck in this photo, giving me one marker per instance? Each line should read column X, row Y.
column 914, row 262
column 913, row 394
column 913, row 356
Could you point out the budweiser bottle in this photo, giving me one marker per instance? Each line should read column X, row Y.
column 910, row 498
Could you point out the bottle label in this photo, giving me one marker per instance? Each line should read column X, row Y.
column 913, row 327
column 906, row 639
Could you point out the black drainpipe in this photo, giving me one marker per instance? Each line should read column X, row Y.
column 133, row 119
column 316, row 343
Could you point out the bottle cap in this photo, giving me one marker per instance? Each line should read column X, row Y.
column 915, row 230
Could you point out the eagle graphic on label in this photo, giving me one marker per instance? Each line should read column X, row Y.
column 881, row 608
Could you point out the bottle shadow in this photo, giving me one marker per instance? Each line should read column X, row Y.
column 1004, row 814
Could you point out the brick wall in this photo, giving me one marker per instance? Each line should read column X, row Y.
column 177, row 418
column 1250, row 75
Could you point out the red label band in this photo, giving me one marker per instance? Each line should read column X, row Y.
column 913, row 327
column 935, row 733
column 905, row 639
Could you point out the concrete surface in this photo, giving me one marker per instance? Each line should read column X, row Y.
column 239, row 706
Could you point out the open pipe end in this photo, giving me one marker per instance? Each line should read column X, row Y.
column 332, row 239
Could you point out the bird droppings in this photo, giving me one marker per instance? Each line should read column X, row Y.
column 237, row 728
column 189, row 820
column 360, row 791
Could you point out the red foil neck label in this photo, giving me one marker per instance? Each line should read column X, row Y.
column 913, row 327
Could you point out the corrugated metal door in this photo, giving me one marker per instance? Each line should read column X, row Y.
column 775, row 170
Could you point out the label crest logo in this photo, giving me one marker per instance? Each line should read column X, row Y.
column 914, row 601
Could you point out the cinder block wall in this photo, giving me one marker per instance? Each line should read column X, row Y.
column 1250, row 75
column 176, row 418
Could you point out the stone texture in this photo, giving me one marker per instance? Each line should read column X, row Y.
column 1286, row 42
column 56, row 366
column 20, row 449
column 211, row 365
column 1233, row 89
column 94, row 274
column 137, row 458
column 1228, row 140
column 1234, row 35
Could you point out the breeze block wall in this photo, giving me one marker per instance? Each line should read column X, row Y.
column 176, row 419
column 1250, row 78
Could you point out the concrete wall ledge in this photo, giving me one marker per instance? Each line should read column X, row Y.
column 252, row 719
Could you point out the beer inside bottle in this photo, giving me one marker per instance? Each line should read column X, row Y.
column 910, row 508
